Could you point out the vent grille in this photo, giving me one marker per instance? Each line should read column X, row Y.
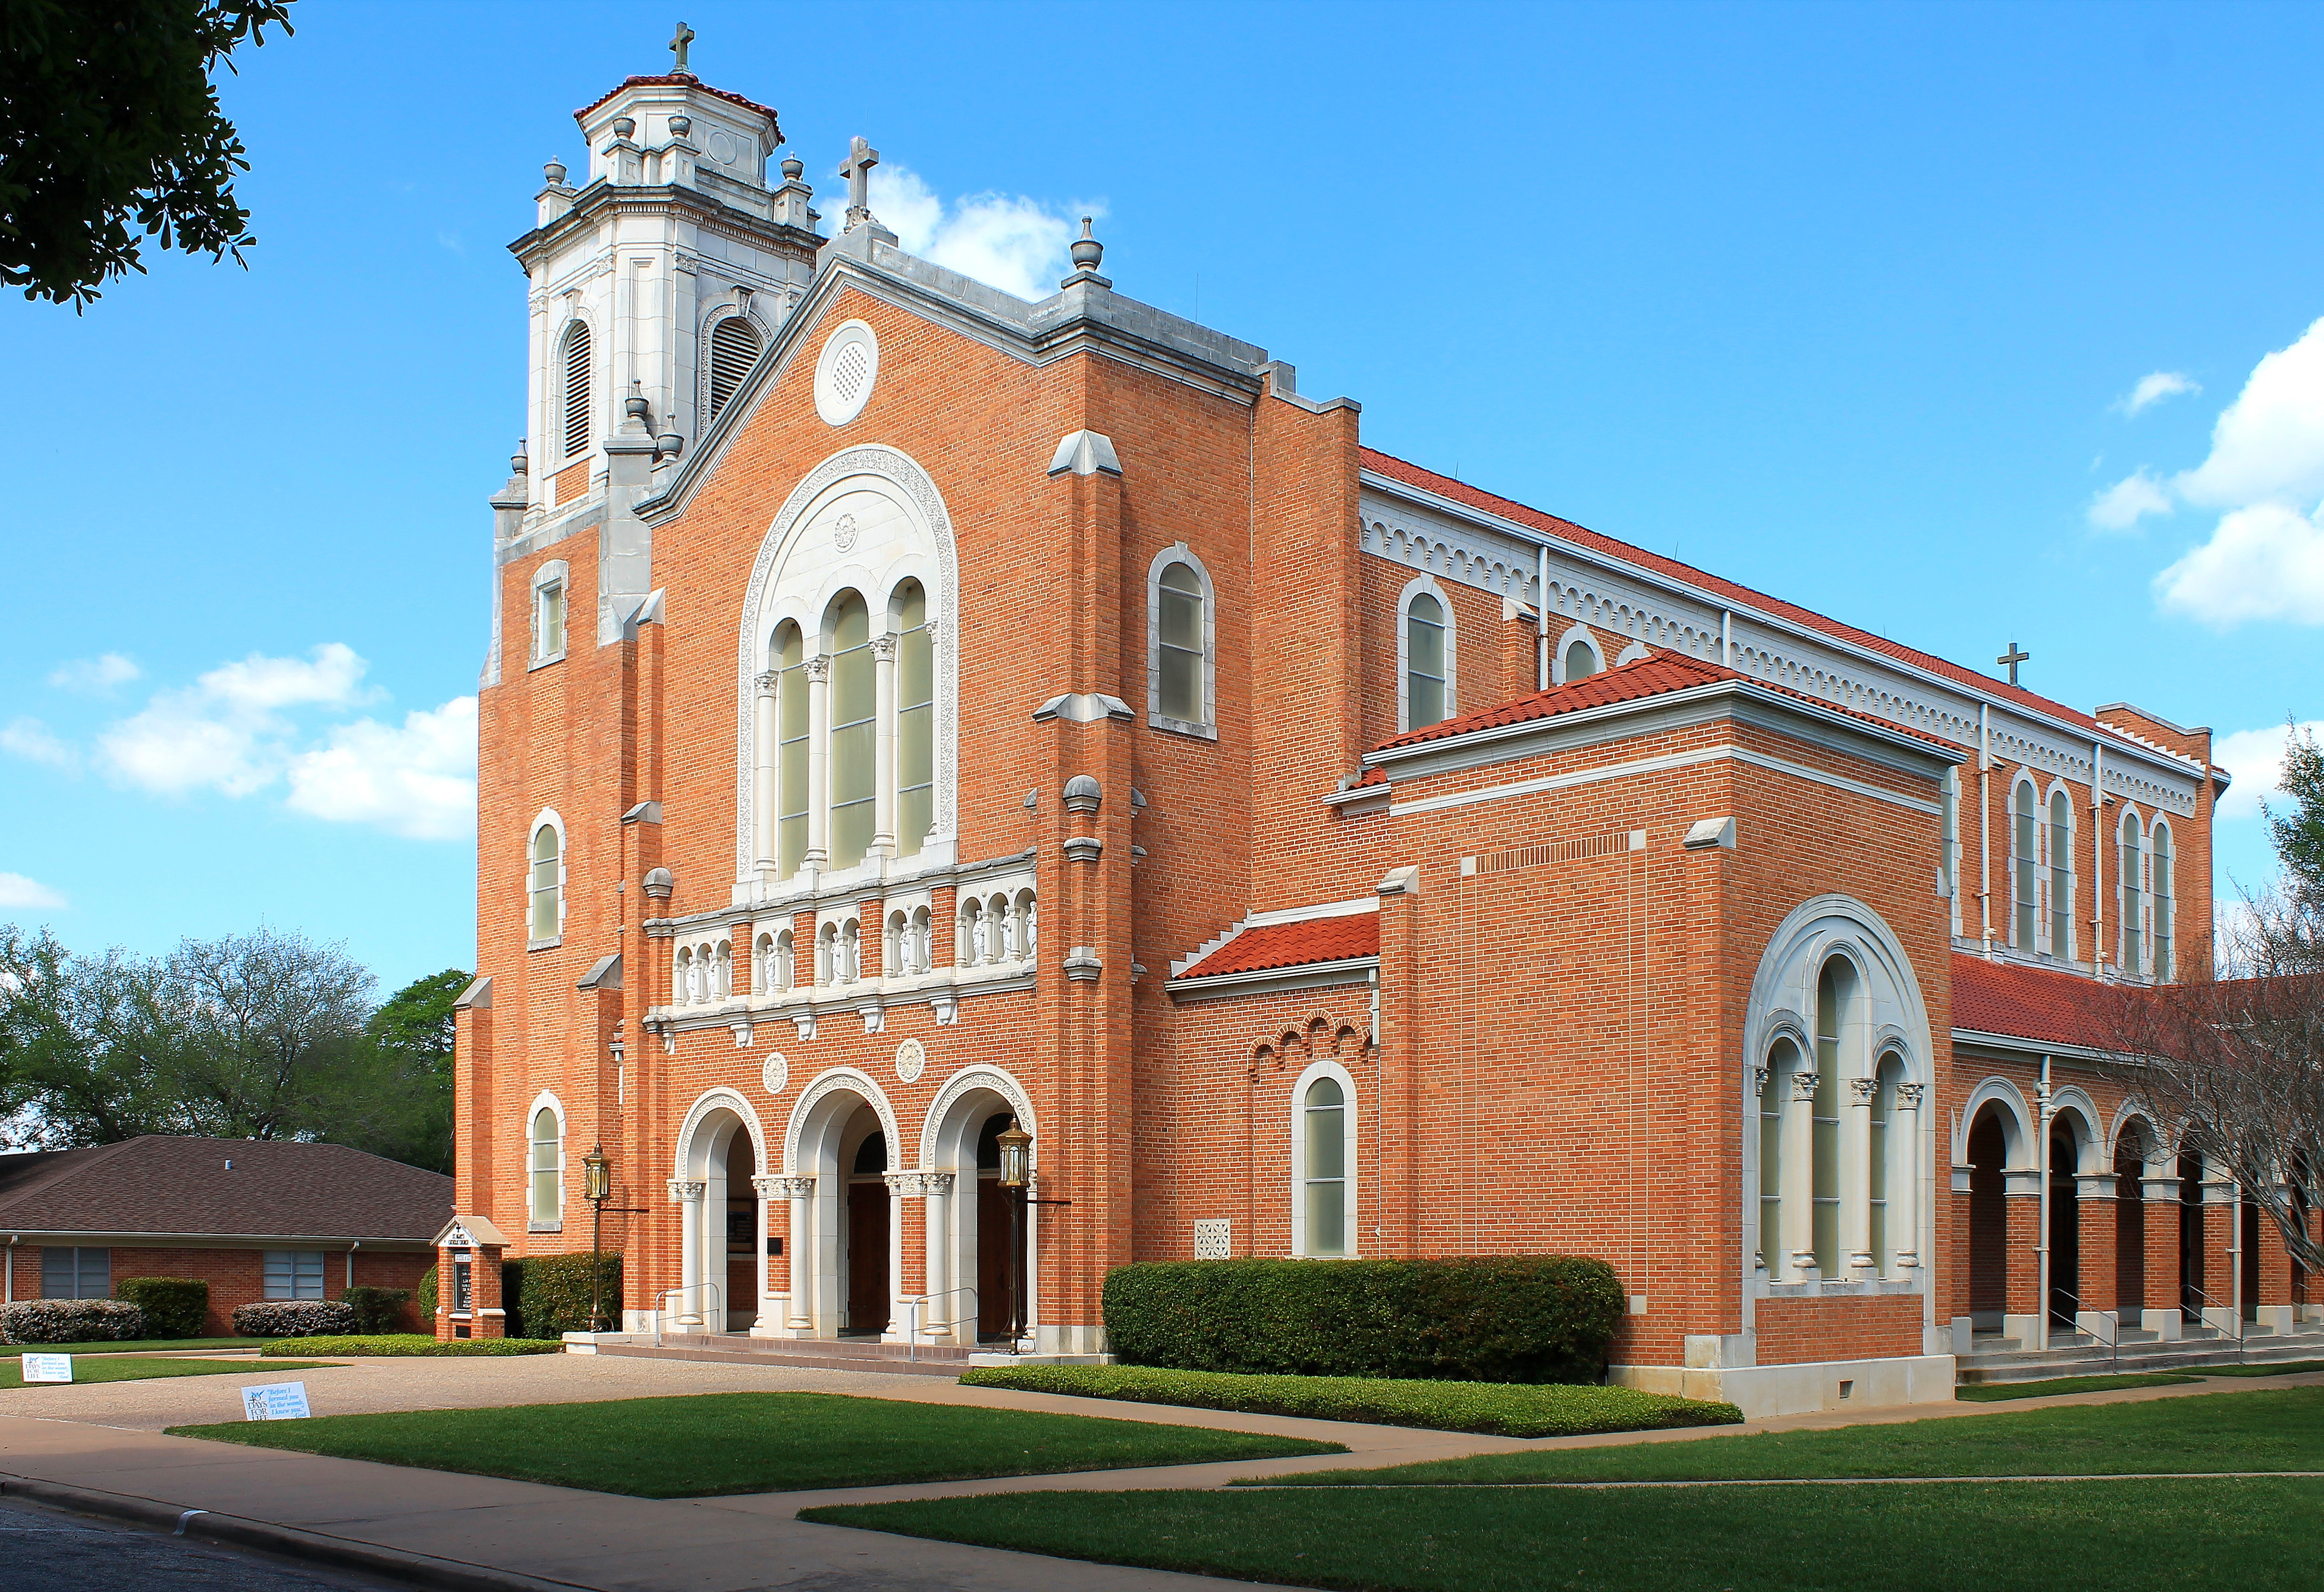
column 848, row 371
column 733, row 349
column 576, row 389
column 1596, row 845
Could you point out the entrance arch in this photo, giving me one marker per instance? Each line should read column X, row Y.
column 722, row 1219
column 2074, row 1141
column 968, row 1220
column 845, row 1259
column 1999, row 1148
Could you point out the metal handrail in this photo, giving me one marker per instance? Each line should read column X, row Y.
column 912, row 1317
column 664, row 1296
column 2114, row 1337
column 2233, row 1314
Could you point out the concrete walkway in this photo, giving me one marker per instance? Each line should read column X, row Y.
column 447, row 1530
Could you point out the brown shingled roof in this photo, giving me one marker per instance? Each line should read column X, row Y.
column 160, row 1184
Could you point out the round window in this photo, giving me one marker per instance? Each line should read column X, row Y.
column 844, row 375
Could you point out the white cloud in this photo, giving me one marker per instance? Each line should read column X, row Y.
column 33, row 741
column 2121, row 506
column 418, row 781
column 226, row 732
column 1014, row 243
column 2269, row 443
column 17, row 892
column 96, row 675
column 2154, row 388
column 331, row 677
column 2263, row 562
column 2255, row 759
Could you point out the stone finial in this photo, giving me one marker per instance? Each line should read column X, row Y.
column 520, row 463
column 1082, row 794
column 1086, row 252
column 660, row 883
column 635, row 405
column 556, row 173
column 680, row 126
column 624, row 125
column 793, row 168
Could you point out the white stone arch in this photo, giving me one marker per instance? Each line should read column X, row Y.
column 1583, row 634
column 1207, row 726
column 792, row 580
column 1631, row 654
column 2046, row 881
column 2135, row 1110
column 2015, row 1117
column 719, row 316
column 1350, row 1228
column 1424, row 584
column 545, row 1101
column 601, row 364
column 700, row 1186
column 948, row 1140
column 2074, row 1105
column 818, row 1159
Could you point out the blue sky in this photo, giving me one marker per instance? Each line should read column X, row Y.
column 1851, row 303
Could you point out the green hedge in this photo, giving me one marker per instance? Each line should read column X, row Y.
column 377, row 1310
column 551, row 1292
column 173, row 1307
column 1532, row 1317
column 1503, row 1409
column 423, row 1299
column 410, row 1344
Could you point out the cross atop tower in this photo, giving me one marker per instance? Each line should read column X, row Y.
column 2013, row 658
column 677, row 43
column 857, row 168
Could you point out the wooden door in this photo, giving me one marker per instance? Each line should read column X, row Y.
column 991, row 1258
column 867, row 1257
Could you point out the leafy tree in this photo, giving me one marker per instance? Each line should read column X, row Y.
column 108, row 116
column 87, row 1046
column 269, row 1019
column 418, row 1017
column 410, row 1064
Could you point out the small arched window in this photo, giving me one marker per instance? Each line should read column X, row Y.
column 2062, row 877
column 2133, row 917
column 1580, row 662
column 786, row 963
column 1835, row 1008
column 546, row 890
column 548, row 1165
column 733, row 349
column 681, row 978
column 1181, row 645
column 1775, row 1098
column 791, row 749
column 577, row 388
column 2025, row 846
column 1323, row 1175
column 2158, row 870
column 916, row 720
column 1426, row 700
column 1890, row 1164
column 854, row 729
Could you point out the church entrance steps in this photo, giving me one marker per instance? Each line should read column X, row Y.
column 831, row 1354
column 2005, row 1359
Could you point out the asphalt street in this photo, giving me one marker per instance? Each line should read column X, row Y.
column 43, row 1550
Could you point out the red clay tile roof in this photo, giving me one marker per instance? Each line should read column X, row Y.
column 2031, row 1003
column 1412, row 474
column 1657, row 674
column 669, row 79
column 1293, row 945
column 159, row 1185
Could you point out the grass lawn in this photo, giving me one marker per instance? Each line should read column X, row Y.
column 2276, row 1429
column 1989, row 1392
column 750, row 1443
column 407, row 1344
column 2289, row 1368
column 131, row 1368
column 133, row 1346
column 2260, row 1536
column 1503, row 1409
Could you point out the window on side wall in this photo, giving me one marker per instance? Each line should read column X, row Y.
column 82, row 1272
column 544, row 888
column 294, row 1274
column 1425, row 697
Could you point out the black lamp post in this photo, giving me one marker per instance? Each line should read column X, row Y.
column 596, row 1187
column 1015, row 1165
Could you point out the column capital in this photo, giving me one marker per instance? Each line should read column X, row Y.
column 793, row 1187
column 938, row 1182
column 768, row 1188
column 1758, row 1081
column 1908, row 1095
column 883, row 647
column 818, row 667
column 1803, row 1085
column 766, row 682
column 1862, row 1089
column 682, row 1192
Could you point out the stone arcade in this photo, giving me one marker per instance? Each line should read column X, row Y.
column 909, row 708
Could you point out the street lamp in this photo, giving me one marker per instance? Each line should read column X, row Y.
column 596, row 1187
column 1015, row 1161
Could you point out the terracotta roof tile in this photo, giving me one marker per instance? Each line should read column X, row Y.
column 677, row 79
column 159, row 1185
column 1293, row 945
column 2039, row 1004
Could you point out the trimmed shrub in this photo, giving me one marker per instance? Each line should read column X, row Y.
column 1531, row 1318
column 377, row 1310
column 292, row 1317
column 552, row 1293
column 174, row 1307
column 1504, row 1409
column 412, row 1344
column 424, row 1299
column 70, row 1321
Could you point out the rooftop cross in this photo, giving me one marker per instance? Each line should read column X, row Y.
column 2013, row 658
column 677, row 43
column 857, row 168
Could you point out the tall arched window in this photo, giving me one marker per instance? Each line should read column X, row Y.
column 2160, row 888
column 1890, row 1162
column 790, row 749
column 1426, row 701
column 2133, row 917
column 1322, row 1162
column 916, row 720
column 1180, row 651
column 1775, row 1095
column 854, row 731
column 1949, row 841
column 577, row 386
column 2024, row 843
column 734, row 347
column 548, row 1166
column 546, row 890
column 2062, row 877
column 1835, row 1000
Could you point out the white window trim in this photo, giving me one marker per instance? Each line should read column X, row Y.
column 1412, row 588
column 1350, row 1228
column 2123, row 884
column 548, row 816
column 2073, row 873
column 2162, row 826
column 536, row 1222
column 703, row 417
column 1951, row 849
column 1583, row 634
column 2025, row 782
column 598, row 358
column 1208, row 728
column 835, row 409
column 555, row 571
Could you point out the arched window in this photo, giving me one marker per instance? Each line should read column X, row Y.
column 785, row 962
column 1181, row 656
column 2062, row 877
column 1890, row 1162
column 1949, row 822
column 2163, row 896
column 547, row 885
column 1580, row 661
column 548, row 1165
column 725, row 966
column 2024, row 855
column 577, row 388
column 1323, row 1155
column 681, row 978
column 1028, row 926
column 790, row 749
column 854, row 731
column 733, row 348
column 916, row 720
column 1835, row 1004
column 1775, row 1101
column 923, row 948
column 2133, row 917
column 1427, row 699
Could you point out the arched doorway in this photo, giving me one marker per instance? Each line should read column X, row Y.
column 721, row 1287
column 732, row 1202
column 844, row 1247
column 864, row 1293
column 1989, row 1218
column 2192, row 1283
column 969, row 1228
column 2065, row 1227
column 2132, row 1147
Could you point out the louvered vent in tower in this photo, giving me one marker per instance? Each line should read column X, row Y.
column 576, row 389
column 734, row 345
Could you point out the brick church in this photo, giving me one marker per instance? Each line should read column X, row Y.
column 910, row 708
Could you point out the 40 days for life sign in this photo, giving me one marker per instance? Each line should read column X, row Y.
column 48, row 1367
column 275, row 1401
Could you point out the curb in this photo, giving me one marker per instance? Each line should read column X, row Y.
column 418, row 1570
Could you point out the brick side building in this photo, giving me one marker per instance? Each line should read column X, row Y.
column 910, row 708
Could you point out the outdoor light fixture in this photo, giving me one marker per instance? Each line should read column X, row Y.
column 1016, row 1154
column 596, row 1175
column 597, row 1187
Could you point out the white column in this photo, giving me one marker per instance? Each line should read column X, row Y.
column 1904, row 1176
column 818, row 760
column 899, row 1183
column 764, row 1187
column 884, row 742
column 800, row 1191
column 688, row 1198
column 1856, row 1189
column 763, row 796
column 1799, row 1174
column 944, row 1305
